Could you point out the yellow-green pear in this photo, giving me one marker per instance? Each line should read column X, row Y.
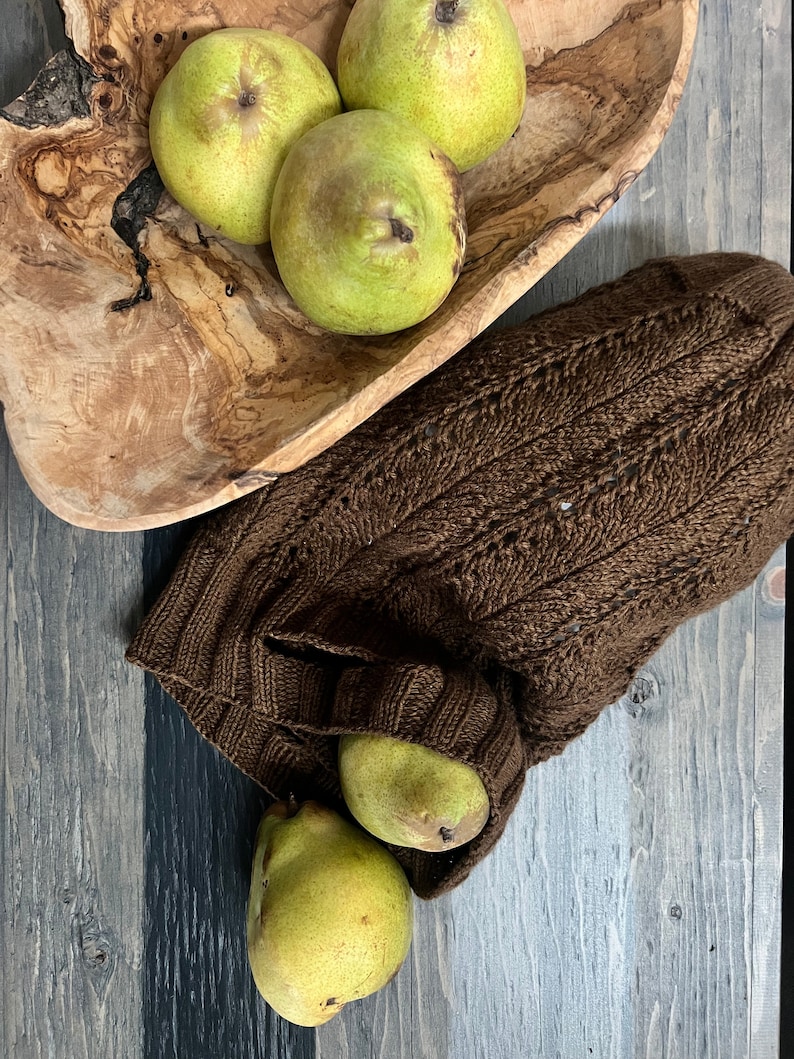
column 410, row 795
column 454, row 68
column 368, row 226
column 224, row 119
column 330, row 913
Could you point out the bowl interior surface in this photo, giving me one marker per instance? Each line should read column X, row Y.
column 195, row 394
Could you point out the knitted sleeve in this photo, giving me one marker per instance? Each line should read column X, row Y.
column 483, row 565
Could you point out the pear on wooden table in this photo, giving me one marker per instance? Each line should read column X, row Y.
column 330, row 912
column 410, row 795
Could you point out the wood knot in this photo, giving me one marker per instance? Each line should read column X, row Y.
column 773, row 588
column 95, row 947
column 640, row 696
column 52, row 173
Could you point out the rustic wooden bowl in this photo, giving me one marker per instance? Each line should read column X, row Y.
column 151, row 370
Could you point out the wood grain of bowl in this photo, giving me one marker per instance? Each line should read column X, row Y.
column 151, row 370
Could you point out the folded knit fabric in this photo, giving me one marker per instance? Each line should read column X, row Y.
column 484, row 564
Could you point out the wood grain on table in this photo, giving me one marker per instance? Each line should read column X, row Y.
column 632, row 909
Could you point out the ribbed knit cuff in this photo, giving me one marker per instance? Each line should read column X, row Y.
column 450, row 709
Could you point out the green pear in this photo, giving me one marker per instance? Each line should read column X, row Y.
column 330, row 913
column 455, row 68
column 368, row 226
column 410, row 795
column 224, row 119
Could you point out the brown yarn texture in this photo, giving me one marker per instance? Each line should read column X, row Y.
column 483, row 566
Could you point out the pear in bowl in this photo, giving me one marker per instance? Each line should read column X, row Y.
column 455, row 68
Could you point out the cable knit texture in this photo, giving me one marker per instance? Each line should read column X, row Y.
column 483, row 566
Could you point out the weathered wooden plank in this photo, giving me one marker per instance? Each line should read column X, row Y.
column 775, row 131
column 539, row 948
column 694, row 879
column 72, row 752
column 32, row 31
column 200, row 819
column 767, row 818
column 71, row 745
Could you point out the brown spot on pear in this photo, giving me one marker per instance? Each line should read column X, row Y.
column 335, row 921
column 410, row 795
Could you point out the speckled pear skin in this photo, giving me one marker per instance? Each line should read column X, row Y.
column 368, row 224
column 410, row 795
column 330, row 913
column 453, row 67
column 224, row 119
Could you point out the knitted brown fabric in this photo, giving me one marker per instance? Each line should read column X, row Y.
column 484, row 564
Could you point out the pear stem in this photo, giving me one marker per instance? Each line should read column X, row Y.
column 401, row 230
column 445, row 10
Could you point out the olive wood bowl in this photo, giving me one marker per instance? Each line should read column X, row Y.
column 151, row 370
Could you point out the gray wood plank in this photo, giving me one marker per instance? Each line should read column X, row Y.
column 767, row 817
column 693, row 875
column 201, row 816
column 32, row 31
column 71, row 745
column 72, row 751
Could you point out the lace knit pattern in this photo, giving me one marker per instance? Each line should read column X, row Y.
column 484, row 565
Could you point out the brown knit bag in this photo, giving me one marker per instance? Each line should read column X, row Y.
column 484, row 565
